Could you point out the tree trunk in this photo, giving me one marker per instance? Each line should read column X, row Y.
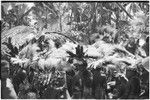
column 60, row 20
column 60, row 25
column 92, row 22
column 117, row 20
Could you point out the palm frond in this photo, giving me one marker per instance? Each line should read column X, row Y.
column 145, row 63
column 5, row 51
column 59, row 35
column 71, row 54
column 18, row 34
column 139, row 24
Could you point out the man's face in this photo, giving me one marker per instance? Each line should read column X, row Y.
column 78, row 64
column 5, row 72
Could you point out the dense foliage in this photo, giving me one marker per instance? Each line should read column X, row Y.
column 78, row 20
column 48, row 39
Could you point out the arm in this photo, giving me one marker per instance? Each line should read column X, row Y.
column 8, row 91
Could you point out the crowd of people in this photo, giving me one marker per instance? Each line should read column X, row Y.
column 110, row 78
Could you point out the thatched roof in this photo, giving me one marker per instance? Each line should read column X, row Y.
column 18, row 34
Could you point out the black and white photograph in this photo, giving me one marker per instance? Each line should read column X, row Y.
column 74, row 50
